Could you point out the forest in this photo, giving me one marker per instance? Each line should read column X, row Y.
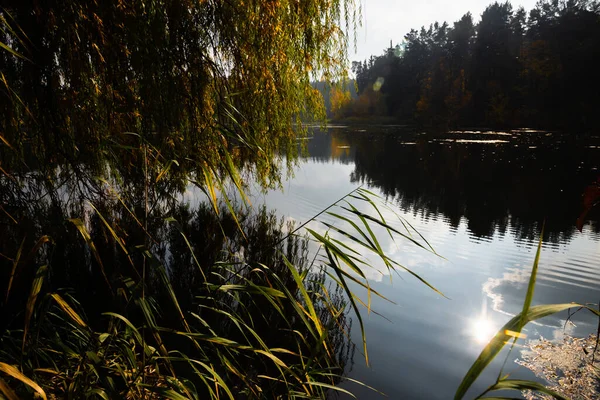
column 512, row 68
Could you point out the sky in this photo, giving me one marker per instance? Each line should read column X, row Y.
column 385, row 20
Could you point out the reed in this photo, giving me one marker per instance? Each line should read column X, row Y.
column 209, row 301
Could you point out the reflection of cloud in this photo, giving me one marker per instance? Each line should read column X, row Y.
column 309, row 178
column 517, row 278
column 566, row 328
column 513, row 276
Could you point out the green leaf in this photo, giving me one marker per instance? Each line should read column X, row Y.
column 307, row 300
column 520, row 385
column 7, row 391
column 14, row 269
column 165, row 392
column 331, row 387
column 531, row 285
column 14, row 53
column 342, row 280
column 166, row 169
column 189, row 245
column 118, row 239
column 98, row 392
column 256, row 289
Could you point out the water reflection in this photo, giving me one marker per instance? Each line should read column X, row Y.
column 482, row 329
column 480, row 205
column 496, row 187
column 132, row 223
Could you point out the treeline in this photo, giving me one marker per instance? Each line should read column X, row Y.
column 513, row 68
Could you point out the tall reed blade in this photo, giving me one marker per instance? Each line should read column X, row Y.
column 36, row 287
column 7, row 391
column 88, row 239
column 15, row 373
column 14, row 270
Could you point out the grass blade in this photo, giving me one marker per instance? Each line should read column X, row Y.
column 14, row 53
column 118, row 239
column 7, row 391
column 166, row 169
column 531, row 285
column 520, row 385
column 15, row 373
column 14, row 269
column 342, row 280
column 36, row 287
column 331, row 387
column 511, row 330
column 88, row 239
column 68, row 310
column 189, row 245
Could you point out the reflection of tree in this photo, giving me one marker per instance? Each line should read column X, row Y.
column 325, row 148
column 219, row 240
column 257, row 256
column 491, row 185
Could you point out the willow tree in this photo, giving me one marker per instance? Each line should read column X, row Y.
column 138, row 86
column 207, row 76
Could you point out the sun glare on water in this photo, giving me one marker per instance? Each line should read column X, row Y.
column 482, row 330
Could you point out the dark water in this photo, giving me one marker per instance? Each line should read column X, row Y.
column 479, row 199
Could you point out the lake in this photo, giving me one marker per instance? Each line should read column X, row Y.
column 479, row 198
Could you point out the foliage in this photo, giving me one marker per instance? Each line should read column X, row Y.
column 213, row 76
column 194, row 301
column 194, row 331
column 512, row 68
column 339, row 100
column 345, row 88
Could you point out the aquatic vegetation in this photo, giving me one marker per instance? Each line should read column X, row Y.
column 570, row 366
column 131, row 292
column 143, row 294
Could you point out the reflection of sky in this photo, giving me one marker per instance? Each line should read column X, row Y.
column 485, row 278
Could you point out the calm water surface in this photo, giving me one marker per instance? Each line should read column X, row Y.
column 479, row 198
